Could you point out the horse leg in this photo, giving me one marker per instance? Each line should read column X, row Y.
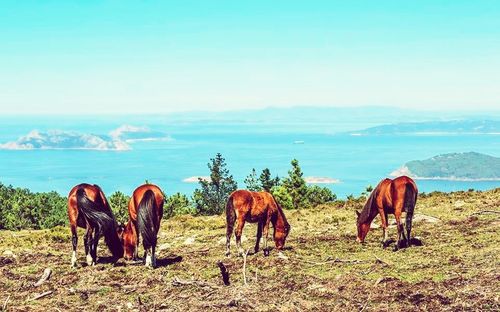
column 384, row 222
column 237, row 233
column 265, row 230
column 136, row 251
column 94, row 240
column 229, row 232
column 148, row 258
column 153, row 256
column 260, row 225
column 88, row 241
column 74, row 242
column 401, row 232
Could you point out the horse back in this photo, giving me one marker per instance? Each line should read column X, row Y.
column 252, row 206
column 94, row 193
column 139, row 194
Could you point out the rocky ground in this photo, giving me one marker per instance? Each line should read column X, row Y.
column 323, row 268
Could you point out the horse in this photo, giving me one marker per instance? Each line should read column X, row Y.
column 88, row 208
column 255, row 207
column 394, row 197
column 145, row 210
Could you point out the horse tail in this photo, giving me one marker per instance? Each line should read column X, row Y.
column 230, row 216
column 103, row 222
column 147, row 219
column 410, row 202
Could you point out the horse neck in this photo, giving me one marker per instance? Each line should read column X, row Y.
column 113, row 242
column 280, row 221
column 369, row 211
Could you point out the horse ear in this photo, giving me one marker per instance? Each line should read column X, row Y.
column 357, row 213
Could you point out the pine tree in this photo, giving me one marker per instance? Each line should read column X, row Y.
column 296, row 186
column 252, row 183
column 212, row 195
column 266, row 182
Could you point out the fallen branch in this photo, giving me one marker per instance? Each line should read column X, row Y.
column 378, row 260
column 485, row 212
column 245, row 267
column 4, row 307
column 336, row 260
column 224, row 272
column 44, row 294
column 179, row 282
column 45, row 276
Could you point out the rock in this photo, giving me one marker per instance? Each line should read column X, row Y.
column 189, row 240
column 164, row 247
column 282, row 256
column 9, row 253
column 459, row 203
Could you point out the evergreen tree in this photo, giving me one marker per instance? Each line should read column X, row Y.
column 252, row 183
column 212, row 195
column 296, row 186
column 266, row 182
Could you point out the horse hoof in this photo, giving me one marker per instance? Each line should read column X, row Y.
column 266, row 253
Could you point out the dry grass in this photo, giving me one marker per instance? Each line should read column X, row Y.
column 457, row 268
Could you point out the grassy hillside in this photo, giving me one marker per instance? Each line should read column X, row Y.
column 457, row 268
column 472, row 166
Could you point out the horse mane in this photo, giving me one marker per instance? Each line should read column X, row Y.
column 281, row 213
column 365, row 213
column 103, row 220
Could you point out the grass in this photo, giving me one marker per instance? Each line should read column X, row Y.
column 457, row 268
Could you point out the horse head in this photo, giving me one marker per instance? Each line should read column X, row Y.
column 128, row 238
column 363, row 227
column 280, row 235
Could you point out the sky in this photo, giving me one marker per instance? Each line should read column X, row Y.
column 110, row 57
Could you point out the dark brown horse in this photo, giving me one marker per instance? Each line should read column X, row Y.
column 394, row 197
column 145, row 210
column 89, row 209
column 245, row 206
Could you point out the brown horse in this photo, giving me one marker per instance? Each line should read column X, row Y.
column 145, row 210
column 89, row 209
column 255, row 207
column 394, row 197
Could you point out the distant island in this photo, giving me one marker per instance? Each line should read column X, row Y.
column 466, row 126
column 469, row 166
column 116, row 140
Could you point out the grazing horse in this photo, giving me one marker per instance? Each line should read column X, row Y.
column 145, row 210
column 394, row 197
column 89, row 209
column 255, row 207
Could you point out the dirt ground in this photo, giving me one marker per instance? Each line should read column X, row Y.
column 322, row 269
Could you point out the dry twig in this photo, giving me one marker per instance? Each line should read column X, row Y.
column 484, row 212
column 224, row 272
column 44, row 294
column 45, row 276
column 245, row 267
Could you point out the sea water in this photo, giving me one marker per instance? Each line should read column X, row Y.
column 324, row 151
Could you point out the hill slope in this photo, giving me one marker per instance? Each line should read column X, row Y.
column 453, row 166
column 323, row 269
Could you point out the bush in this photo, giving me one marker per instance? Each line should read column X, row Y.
column 317, row 195
column 21, row 209
column 119, row 205
column 282, row 196
column 178, row 204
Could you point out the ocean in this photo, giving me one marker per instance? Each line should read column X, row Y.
column 323, row 150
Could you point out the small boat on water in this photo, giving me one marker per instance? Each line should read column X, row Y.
column 298, row 142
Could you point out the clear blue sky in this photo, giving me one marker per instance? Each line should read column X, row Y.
column 161, row 56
